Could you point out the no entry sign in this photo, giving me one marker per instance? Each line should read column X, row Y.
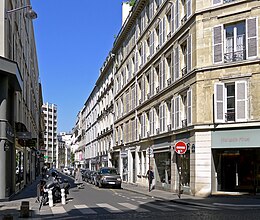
column 180, row 147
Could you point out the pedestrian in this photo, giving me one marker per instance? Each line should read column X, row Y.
column 150, row 175
column 78, row 178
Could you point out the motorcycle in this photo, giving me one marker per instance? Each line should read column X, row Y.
column 54, row 184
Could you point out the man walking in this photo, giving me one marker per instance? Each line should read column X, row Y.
column 150, row 176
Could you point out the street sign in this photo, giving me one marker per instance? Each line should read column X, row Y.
column 149, row 151
column 180, row 147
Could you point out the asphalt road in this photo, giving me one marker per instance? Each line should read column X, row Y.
column 106, row 203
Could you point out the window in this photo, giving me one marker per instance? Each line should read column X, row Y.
column 143, row 125
column 238, row 44
column 151, row 43
column 151, row 9
column 162, row 31
column 162, row 75
column 162, row 117
column 181, row 110
column 230, row 102
column 152, row 82
column 152, row 121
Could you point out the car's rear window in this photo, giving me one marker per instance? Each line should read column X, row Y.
column 108, row 171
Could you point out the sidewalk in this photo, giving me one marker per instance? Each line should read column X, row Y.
column 220, row 199
column 29, row 194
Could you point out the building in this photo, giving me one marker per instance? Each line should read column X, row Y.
column 20, row 98
column 66, row 138
column 50, row 149
column 183, row 71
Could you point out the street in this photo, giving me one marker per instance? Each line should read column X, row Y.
column 106, row 203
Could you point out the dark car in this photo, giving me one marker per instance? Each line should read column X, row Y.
column 108, row 176
column 86, row 175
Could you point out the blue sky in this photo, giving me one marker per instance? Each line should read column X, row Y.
column 73, row 38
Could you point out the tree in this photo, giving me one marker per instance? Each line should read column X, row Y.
column 131, row 2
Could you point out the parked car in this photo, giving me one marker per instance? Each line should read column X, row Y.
column 108, row 176
column 85, row 174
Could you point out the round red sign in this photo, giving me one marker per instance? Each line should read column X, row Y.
column 180, row 147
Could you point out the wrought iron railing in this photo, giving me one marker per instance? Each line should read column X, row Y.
column 235, row 56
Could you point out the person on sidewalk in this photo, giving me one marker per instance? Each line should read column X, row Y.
column 78, row 178
column 150, row 175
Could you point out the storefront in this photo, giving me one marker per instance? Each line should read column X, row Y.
column 162, row 163
column 236, row 155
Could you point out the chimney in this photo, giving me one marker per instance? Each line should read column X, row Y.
column 126, row 8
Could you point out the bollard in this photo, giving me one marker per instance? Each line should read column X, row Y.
column 50, row 197
column 63, row 199
column 25, row 209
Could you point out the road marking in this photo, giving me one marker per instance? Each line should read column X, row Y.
column 109, row 207
column 85, row 209
column 133, row 207
column 236, row 205
column 59, row 210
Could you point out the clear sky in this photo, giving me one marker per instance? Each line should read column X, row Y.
column 73, row 39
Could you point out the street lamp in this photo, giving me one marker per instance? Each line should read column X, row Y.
column 30, row 13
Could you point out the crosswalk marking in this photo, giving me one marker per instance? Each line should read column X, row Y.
column 84, row 209
column 59, row 210
column 108, row 207
column 133, row 207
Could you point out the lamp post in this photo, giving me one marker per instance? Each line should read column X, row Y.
column 30, row 14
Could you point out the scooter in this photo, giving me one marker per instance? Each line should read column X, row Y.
column 55, row 185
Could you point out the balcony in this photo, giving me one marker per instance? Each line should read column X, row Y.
column 230, row 116
column 184, row 19
column 184, row 71
column 227, row 1
column 169, row 81
column 157, row 89
column 184, row 123
column 235, row 56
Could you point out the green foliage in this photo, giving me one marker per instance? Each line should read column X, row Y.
column 131, row 2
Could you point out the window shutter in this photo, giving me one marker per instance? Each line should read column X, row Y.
column 188, row 8
column 172, row 19
column 160, row 75
column 189, row 54
column 177, row 112
column 164, row 30
column 217, row 44
column 216, row 2
column 251, row 38
column 176, row 14
column 173, row 113
column 176, row 64
column 161, row 117
column 241, row 100
column 172, row 66
column 189, row 108
column 219, row 99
